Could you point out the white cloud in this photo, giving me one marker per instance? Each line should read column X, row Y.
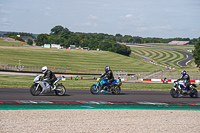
column 167, row 27
column 4, row 21
column 47, row 14
column 93, row 17
column 48, row 8
column 85, row 24
column 141, row 29
column 4, row 11
column 1, row 4
column 129, row 16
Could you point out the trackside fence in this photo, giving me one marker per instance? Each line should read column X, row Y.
column 157, row 74
column 169, row 74
column 29, row 68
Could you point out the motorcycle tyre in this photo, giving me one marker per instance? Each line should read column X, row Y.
column 92, row 91
column 116, row 90
column 33, row 89
column 194, row 93
column 174, row 93
column 58, row 92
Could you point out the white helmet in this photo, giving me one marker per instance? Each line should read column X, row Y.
column 44, row 69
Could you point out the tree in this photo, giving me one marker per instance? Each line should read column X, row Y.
column 196, row 53
column 57, row 30
column 41, row 39
column 30, row 42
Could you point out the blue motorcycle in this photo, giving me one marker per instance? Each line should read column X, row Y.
column 104, row 87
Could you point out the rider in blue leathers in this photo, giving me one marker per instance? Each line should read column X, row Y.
column 186, row 79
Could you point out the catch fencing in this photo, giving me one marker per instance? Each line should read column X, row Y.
column 29, row 68
column 158, row 74
column 169, row 74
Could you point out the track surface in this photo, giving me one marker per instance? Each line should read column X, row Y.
column 185, row 61
column 180, row 63
column 85, row 95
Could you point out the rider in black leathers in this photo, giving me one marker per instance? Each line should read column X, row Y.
column 186, row 79
column 48, row 74
column 108, row 74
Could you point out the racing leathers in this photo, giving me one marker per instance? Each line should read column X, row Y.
column 51, row 76
column 109, row 75
column 186, row 79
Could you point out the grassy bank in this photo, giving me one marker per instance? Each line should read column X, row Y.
column 73, row 60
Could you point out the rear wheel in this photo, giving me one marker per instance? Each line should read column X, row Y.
column 60, row 90
column 174, row 93
column 116, row 90
column 194, row 93
column 94, row 89
column 33, row 90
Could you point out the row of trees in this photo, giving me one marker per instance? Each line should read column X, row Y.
column 196, row 53
column 61, row 35
column 14, row 34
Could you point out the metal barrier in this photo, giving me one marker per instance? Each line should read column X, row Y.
column 29, row 68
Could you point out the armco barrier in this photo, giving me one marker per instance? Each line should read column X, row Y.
column 169, row 80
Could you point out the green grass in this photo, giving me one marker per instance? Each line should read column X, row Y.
column 73, row 60
column 3, row 42
column 165, row 45
column 161, row 56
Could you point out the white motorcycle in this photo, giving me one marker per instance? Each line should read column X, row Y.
column 42, row 86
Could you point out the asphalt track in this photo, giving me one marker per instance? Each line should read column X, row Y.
column 185, row 61
column 17, row 94
column 180, row 63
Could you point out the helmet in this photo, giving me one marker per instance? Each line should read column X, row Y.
column 107, row 68
column 44, row 69
column 183, row 72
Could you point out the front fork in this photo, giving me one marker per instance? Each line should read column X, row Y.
column 37, row 87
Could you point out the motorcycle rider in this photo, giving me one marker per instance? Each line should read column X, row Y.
column 109, row 75
column 186, row 79
column 48, row 74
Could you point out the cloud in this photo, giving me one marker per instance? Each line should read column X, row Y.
column 1, row 4
column 4, row 11
column 4, row 21
column 47, row 14
column 87, row 24
column 93, row 17
column 48, row 8
column 154, row 28
column 141, row 29
column 129, row 16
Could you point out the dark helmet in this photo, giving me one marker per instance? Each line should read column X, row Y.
column 107, row 68
column 183, row 72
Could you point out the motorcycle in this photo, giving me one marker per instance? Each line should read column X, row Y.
column 104, row 87
column 41, row 86
column 179, row 89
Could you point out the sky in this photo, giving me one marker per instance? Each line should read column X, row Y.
column 144, row 18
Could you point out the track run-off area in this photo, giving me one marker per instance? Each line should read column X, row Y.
column 21, row 99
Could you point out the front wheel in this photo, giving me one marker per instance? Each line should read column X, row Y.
column 94, row 89
column 194, row 93
column 34, row 90
column 116, row 90
column 60, row 90
column 174, row 93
